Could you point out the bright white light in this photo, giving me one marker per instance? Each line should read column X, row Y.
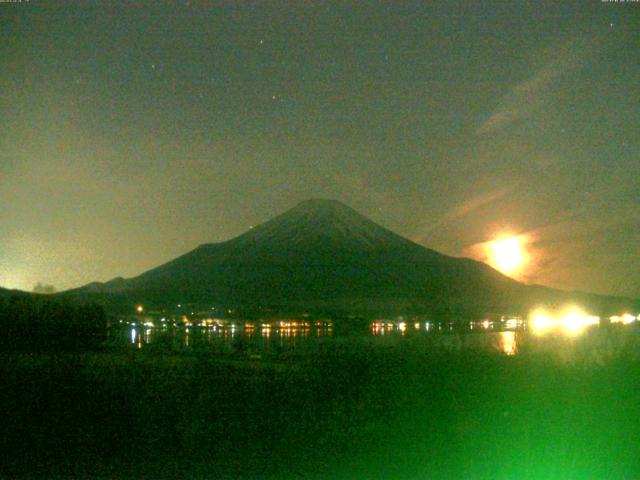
column 507, row 254
column 573, row 321
column 541, row 321
column 625, row 319
column 513, row 323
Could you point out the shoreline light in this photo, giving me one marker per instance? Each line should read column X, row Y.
column 625, row 319
column 573, row 321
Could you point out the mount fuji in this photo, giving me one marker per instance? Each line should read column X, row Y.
column 324, row 256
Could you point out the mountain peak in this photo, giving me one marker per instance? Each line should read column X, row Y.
column 320, row 204
column 331, row 211
column 319, row 222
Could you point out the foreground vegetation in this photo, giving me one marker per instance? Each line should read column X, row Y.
column 40, row 323
column 347, row 410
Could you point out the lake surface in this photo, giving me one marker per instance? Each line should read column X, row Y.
column 510, row 338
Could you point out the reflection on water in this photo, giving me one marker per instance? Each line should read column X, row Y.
column 507, row 343
column 509, row 336
column 231, row 335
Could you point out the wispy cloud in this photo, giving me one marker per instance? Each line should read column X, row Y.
column 534, row 94
column 467, row 207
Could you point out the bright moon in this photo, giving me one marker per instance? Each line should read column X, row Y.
column 507, row 254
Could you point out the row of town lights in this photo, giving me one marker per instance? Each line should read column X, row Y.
column 572, row 320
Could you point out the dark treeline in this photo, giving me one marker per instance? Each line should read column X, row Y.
column 41, row 323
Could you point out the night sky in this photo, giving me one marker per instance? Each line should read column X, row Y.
column 132, row 132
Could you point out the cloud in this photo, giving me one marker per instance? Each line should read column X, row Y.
column 534, row 94
column 469, row 206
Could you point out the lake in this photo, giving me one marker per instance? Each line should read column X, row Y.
column 508, row 337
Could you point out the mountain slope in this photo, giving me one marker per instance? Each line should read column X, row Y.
column 320, row 255
column 5, row 293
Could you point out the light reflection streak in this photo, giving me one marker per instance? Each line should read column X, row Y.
column 507, row 343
